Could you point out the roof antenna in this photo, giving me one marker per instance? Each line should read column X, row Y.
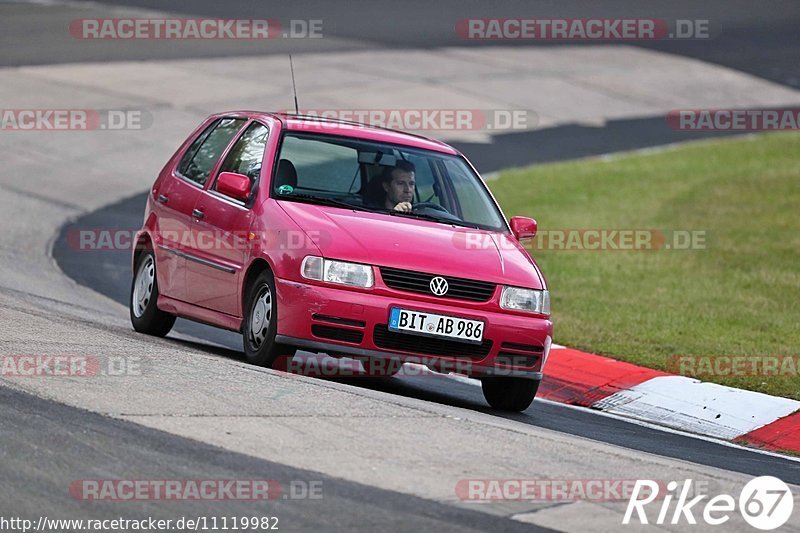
column 294, row 87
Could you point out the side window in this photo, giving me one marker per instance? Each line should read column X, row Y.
column 470, row 200
column 202, row 155
column 247, row 154
column 322, row 166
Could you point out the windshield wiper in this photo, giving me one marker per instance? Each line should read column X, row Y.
column 433, row 218
column 310, row 198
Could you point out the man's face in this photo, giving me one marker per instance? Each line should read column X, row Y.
column 401, row 188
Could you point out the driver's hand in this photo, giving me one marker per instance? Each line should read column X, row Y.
column 403, row 206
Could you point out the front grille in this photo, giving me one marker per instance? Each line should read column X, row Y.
column 390, row 340
column 337, row 334
column 459, row 288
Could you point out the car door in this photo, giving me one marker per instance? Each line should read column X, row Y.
column 177, row 198
column 221, row 228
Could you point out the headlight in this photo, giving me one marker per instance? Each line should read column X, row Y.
column 521, row 299
column 320, row 269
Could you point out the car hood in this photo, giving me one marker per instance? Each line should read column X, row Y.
column 412, row 244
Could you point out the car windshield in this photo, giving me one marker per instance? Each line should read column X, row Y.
column 373, row 176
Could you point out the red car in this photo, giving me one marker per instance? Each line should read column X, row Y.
column 345, row 239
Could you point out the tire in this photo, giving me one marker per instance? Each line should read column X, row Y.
column 380, row 368
column 146, row 317
column 509, row 394
column 260, row 325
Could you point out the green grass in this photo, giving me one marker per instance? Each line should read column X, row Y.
column 739, row 296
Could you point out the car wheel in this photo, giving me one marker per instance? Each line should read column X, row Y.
column 509, row 394
column 146, row 317
column 261, row 324
column 381, row 368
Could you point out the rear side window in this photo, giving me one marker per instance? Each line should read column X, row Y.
column 202, row 155
column 246, row 155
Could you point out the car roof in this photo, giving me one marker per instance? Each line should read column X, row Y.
column 346, row 128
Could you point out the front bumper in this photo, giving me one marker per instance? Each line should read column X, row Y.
column 340, row 321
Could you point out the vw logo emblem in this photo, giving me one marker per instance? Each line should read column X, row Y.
column 439, row 286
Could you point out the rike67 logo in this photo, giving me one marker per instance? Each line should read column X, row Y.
column 766, row 503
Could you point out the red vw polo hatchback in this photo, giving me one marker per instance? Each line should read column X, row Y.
column 346, row 239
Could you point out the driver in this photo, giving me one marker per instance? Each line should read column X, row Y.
column 399, row 185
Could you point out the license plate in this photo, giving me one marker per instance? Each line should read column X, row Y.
column 433, row 325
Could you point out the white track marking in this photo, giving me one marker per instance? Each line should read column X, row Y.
column 665, row 429
column 647, row 423
column 696, row 406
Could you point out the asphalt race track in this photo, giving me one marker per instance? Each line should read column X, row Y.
column 109, row 273
column 75, row 435
column 758, row 40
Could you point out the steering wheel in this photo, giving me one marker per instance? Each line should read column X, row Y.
column 429, row 205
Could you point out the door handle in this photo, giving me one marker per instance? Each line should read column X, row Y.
column 197, row 213
column 162, row 199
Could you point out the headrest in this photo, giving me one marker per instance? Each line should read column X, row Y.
column 286, row 175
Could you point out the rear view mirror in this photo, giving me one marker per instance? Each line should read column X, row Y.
column 234, row 185
column 523, row 227
column 377, row 158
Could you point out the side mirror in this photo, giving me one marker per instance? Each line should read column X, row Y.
column 523, row 227
column 234, row 185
